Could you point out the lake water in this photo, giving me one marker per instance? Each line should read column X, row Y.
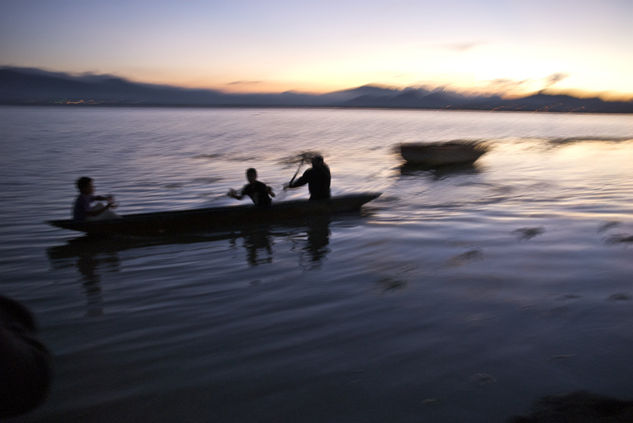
column 457, row 296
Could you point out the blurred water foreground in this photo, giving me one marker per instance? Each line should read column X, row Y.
column 461, row 294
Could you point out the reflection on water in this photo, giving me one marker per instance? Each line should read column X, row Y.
column 87, row 265
column 317, row 242
column 92, row 256
column 439, row 172
column 90, row 260
column 255, row 240
column 258, row 242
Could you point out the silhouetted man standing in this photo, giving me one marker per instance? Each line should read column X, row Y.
column 318, row 180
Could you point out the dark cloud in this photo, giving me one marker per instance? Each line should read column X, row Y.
column 505, row 82
column 555, row 78
column 245, row 82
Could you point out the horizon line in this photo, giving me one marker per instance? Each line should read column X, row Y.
column 468, row 92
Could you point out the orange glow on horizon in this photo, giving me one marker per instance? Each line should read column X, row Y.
column 507, row 88
column 266, row 87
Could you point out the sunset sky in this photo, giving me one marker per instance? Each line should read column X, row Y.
column 511, row 47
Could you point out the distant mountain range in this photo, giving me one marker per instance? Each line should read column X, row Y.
column 30, row 86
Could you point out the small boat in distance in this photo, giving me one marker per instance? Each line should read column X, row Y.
column 216, row 218
column 442, row 153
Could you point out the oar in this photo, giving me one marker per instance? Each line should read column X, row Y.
column 297, row 172
column 305, row 156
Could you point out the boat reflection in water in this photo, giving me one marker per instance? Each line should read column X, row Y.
column 439, row 172
column 258, row 242
column 317, row 242
column 255, row 240
column 94, row 255
column 90, row 262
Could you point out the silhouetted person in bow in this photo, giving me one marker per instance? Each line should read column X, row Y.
column 318, row 179
column 83, row 208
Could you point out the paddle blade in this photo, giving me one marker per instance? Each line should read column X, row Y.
column 302, row 157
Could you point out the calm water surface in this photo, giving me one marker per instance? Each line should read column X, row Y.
column 460, row 295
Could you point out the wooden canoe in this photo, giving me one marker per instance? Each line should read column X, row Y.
column 442, row 153
column 216, row 218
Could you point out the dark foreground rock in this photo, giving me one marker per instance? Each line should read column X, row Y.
column 25, row 363
column 579, row 407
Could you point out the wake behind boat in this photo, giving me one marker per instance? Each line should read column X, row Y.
column 216, row 218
